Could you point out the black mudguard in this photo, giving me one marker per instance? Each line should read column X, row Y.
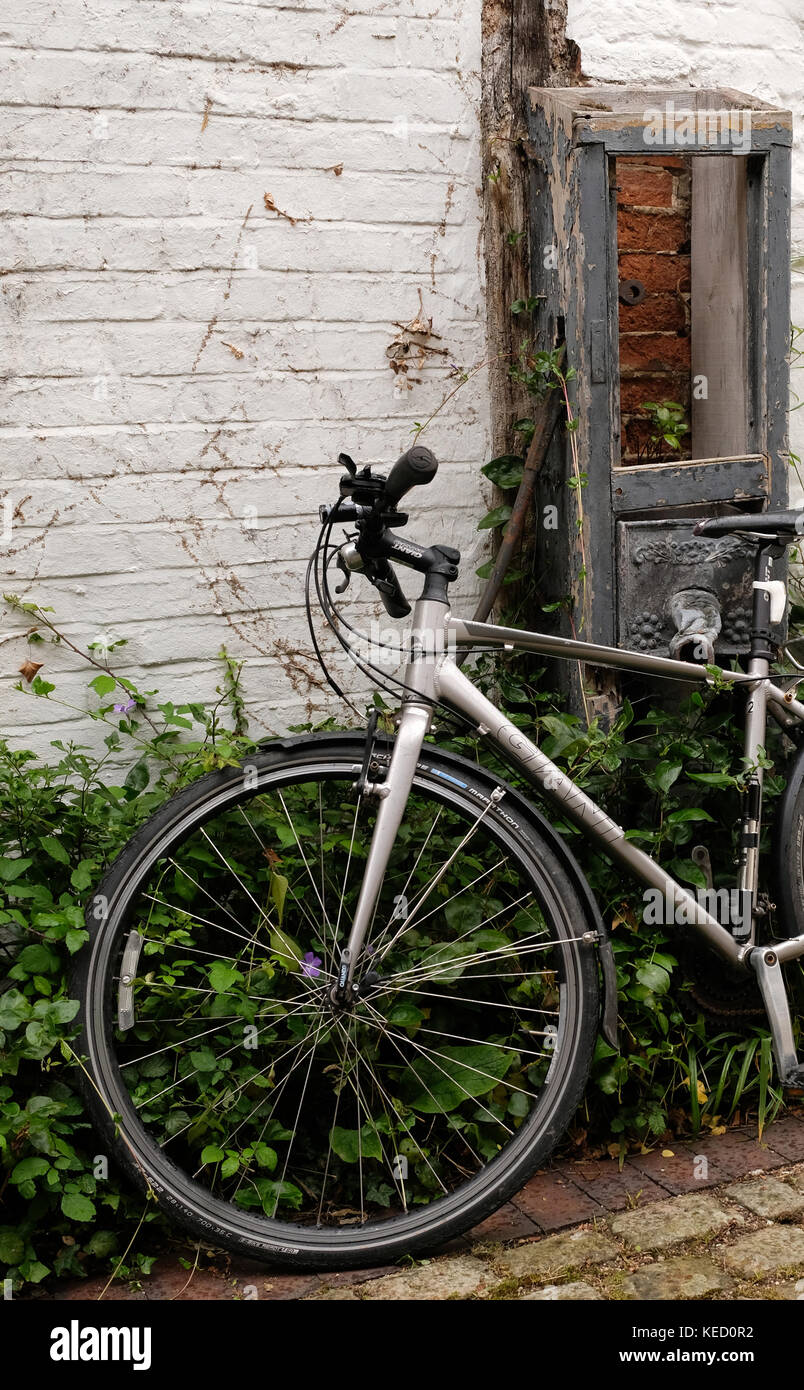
column 787, row 850
column 608, row 1022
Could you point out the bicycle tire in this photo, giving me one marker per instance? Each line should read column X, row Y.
column 378, row 1242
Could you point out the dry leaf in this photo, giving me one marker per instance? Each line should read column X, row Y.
column 28, row 669
column 270, row 206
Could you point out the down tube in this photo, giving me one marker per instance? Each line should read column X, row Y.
column 455, row 688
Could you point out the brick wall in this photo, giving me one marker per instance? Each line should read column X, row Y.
column 653, row 242
column 216, row 218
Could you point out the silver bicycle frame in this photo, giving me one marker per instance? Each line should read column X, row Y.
column 432, row 675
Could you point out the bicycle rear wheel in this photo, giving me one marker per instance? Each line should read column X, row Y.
column 266, row 1119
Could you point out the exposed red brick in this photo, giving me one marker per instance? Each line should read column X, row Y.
column 636, row 390
column 658, row 161
column 658, row 271
column 663, row 313
column 654, row 351
column 644, row 187
column 552, row 1202
column 651, row 231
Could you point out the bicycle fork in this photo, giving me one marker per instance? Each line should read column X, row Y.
column 392, row 794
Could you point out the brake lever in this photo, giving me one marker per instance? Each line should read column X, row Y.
column 349, row 561
column 341, row 564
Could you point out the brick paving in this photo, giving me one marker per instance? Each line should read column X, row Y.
column 717, row 1217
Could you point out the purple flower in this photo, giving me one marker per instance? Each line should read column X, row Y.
column 125, row 708
column 310, row 964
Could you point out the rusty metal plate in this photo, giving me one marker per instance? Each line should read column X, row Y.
column 657, row 558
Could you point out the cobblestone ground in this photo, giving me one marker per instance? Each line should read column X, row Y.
column 720, row 1219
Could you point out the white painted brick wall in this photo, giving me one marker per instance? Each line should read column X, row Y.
column 137, row 136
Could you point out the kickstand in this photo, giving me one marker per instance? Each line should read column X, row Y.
column 765, row 963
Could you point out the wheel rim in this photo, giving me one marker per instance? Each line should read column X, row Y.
column 288, row 1120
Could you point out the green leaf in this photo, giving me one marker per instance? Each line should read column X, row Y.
column 137, row 778
column 10, row 869
column 102, row 1243
column 457, row 1073
column 289, row 1195
column 496, row 517
column 36, row 960
column 212, row 1154
column 438, row 960
column 103, row 685
column 12, row 1246
column 54, row 848
column 77, row 1206
column 687, row 814
column 468, row 910
column 351, row 1146
column 288, row 950
column 14, row 1009
column 83, row 876
column 653, row 977
column 279, row 888
column 63, row 1010
column 204, row 1059
column 505, row 471
column 405, row 1015
column 666, row 773
column 223, row 976
column 29, row 1168
column 713, row 779
column 688, row 872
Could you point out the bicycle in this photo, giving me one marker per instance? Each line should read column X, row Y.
column 340, row 1001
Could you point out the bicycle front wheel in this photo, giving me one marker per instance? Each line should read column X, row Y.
column 272, row 1122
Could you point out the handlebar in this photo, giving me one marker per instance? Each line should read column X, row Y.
column 414, row 468
column 370, row 501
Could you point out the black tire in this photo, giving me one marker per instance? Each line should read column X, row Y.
column 788, row 850
column 423, row 1227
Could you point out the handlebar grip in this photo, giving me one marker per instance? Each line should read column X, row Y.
column 414, row 468
column 390, row 590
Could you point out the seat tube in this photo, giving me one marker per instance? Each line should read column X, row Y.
column 756, row 718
